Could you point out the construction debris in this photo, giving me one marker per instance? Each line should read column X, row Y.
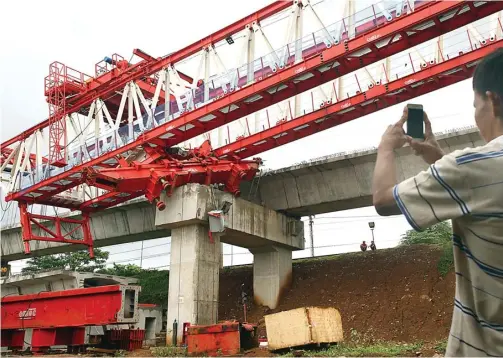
column 303, row 326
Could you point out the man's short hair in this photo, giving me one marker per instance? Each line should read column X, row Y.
column 488, row 75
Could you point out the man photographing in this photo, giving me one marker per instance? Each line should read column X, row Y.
column 465, row 186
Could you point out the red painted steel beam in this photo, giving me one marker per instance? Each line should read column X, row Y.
column 6, row 152
column 344, row 53
column 71, row 308
column 146, row 68
column 383, row 96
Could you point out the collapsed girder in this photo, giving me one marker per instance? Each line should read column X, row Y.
column 147, row 172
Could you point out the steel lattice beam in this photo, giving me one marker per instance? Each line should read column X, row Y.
column 426, row 80
column 148, row 67
column 342, row 59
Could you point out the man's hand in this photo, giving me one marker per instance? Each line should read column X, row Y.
column 394, row 137
column 429, row 149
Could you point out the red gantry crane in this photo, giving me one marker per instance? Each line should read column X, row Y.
column 129, row 120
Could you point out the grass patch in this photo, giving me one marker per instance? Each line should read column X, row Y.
column 440, row 235
column 441, row 346
column 169, row 351
column 378, row 349
column 445, row 263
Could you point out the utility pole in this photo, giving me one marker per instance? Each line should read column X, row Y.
column 311, row 233
column 141, row 255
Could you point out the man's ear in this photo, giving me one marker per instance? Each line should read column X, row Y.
column 496, row 103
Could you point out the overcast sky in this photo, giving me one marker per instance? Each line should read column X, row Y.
column 35, row 33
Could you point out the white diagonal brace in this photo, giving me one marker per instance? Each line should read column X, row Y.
column 326, row 34
column 157, row 93
column 26, row 160
column 206, row 75
column 136, row 103
column 145, row 104
column 130, row 113
column 107, row 115
column 121, row 106
column 167, row 94
column 220, row 67
column 38, row 155
column 17, row 166
column 269, row 46
column 11, row 155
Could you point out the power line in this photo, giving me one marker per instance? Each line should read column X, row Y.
column 145, row 248
column 353, row 217
column 139, row 257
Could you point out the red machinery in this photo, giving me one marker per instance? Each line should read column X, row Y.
column 227, row 338
column 144, row 166
column 60, row 317
column 147, row 171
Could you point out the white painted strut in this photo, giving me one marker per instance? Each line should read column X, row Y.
column 167, row 94
column 475, row 33
column 385, row 11
column 221, row 68
column 272, row 52
column 155, row 99
column 137, row 107
column 145, row 105
column 329, row 40
column 130, row 113
column 122, row 104
column 206, row 75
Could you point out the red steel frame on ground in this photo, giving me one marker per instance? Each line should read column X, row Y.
column 59, row 317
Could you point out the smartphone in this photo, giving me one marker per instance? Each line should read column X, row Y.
column 415, row 121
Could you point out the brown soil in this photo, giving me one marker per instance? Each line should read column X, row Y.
column 393, row 295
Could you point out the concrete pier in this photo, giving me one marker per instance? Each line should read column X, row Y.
column 272, row 274
column 195, row 260
column 193, row 278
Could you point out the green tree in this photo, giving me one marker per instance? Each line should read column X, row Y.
column 154, row 283
column 75, row 261
column 128, row 270
column 439, row 234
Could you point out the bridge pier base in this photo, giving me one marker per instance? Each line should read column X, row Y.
column 196, row 261
column 272, row 274
column 193, row 279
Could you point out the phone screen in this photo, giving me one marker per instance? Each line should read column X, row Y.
column 415, row 121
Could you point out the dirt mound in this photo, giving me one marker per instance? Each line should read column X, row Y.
column 394, row 294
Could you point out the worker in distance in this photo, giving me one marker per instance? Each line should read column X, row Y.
column 465, row 186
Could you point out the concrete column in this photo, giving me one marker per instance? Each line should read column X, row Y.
column 221, row 255
column 193, row 278
column 272, row 274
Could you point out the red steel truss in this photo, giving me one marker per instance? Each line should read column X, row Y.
column 55, row 230
column 402, row 33
column 147, row 172
column 149, row 168
column 379, row 97
column 151, row 65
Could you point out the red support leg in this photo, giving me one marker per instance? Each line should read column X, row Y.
column 56, row 233
column 13, row 339
column 42, row 339
column 25, row 226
